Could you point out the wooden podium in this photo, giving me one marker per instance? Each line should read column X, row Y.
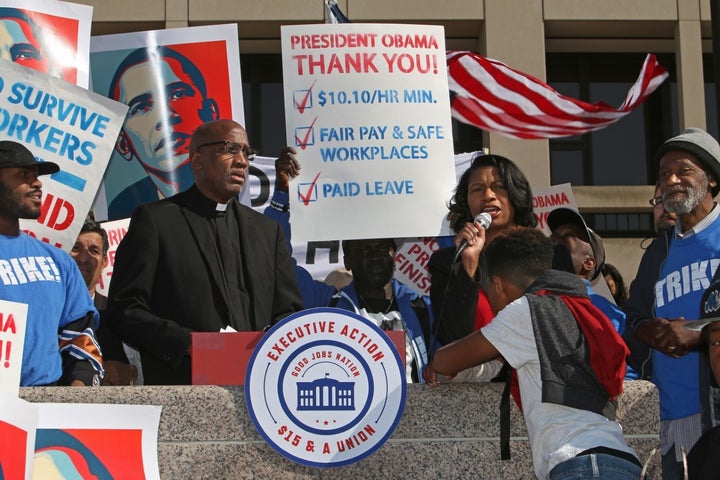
column 222, row 358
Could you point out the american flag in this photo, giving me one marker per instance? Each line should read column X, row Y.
column 494, row 97
column 490, row 95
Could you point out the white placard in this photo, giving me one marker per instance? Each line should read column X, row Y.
column 368, row 110
column 115, row 231
column 65, row 124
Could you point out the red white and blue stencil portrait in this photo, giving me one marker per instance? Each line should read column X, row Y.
column 325, row 387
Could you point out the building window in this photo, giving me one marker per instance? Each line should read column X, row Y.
column 621, row 225
column 466, row 138
column 263, row 101
column 621, row 154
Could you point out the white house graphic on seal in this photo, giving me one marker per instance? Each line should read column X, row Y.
column 326, row 394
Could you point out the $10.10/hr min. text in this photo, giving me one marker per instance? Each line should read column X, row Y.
column 372, row 97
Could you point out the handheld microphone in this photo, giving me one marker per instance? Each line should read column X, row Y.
column 484, row 219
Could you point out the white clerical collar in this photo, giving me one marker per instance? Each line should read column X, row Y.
column 221, row 207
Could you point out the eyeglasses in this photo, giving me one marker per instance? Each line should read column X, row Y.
column 232, row 148
column 655, row 201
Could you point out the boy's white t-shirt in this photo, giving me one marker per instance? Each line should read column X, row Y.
column 556, row 432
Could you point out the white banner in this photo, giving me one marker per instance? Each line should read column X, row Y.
column 367, row 108
column 65, row 124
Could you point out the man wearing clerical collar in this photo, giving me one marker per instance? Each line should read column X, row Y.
column 186, row 265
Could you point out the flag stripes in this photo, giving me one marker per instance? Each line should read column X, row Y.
column 492, row 96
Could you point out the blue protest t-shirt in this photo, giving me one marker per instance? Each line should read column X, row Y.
column 684, row 277
column 49, row 282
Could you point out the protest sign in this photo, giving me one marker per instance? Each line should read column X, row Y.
column 547, row 199
column 177, row 78
column 65, row 124
column 411, row 261
column 49, row 36
column 13, row 319
column 111, row 441
column 115, row 230
column 18, row 420
column 367, row 108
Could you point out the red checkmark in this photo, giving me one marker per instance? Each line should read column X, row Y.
column 304, row 142
column 306, row 198
column 303, row 102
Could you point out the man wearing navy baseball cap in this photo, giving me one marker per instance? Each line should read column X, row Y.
column 574, row 239
column 60, row 311
column 567, row 227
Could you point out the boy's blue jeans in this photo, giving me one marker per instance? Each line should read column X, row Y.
column 596, row 465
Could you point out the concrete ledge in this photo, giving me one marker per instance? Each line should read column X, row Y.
column 448, row 432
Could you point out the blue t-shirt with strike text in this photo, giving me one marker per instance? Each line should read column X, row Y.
column 49, row 282
column 684, row 277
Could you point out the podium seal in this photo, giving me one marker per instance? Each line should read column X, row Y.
column 325, row 387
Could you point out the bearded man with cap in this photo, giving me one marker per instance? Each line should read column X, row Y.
column 673, row 274
column 59, row 345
